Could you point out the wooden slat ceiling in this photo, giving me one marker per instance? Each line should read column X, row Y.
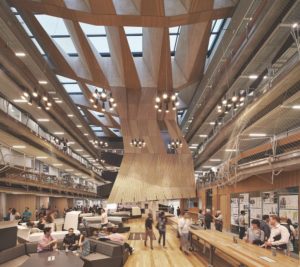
column 134, row 81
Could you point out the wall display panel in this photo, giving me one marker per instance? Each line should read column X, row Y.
column 269, row 197
column 288, row 207
column 255, row 208
column 234, row 211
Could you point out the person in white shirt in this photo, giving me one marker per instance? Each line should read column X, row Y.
column 242, row 224
column 104, row 218
column 280, row 236
column 184, row 228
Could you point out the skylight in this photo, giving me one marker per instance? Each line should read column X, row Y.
column 22, row 22
column 217, row 27
column 63, row 79
column 135, row 39
column 90, row 29
column 66, row 44
column 100, row 43
column 54, row 26
column 173, row 35
column 72, row 88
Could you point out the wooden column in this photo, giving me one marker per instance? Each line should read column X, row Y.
column 19, row 202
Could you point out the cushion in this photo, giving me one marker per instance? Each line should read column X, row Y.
column 12, row 253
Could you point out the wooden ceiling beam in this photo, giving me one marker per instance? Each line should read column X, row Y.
column 122, row 20
column 102, row 7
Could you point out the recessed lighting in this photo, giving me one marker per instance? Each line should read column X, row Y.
column 20, row 54
column 79, row 150
column 86, row 134
column 59, row 133
column 212, row 123
column 19, row 146
column 51, row 92
column 58, row 101
column 253, row 76
column 43, row 82
column 69, row 170
column 71, row 143
column 43, row 120
column 207, row 167
column 230, row 150
column 20, row 101
column 57, row 164
column 257, row 134
column 215, row 160
column 79, row 126
column 203, row 135
column 192, row 147
column 70, row 115
column 295, row 25
column 296, row 107
column 41, row 157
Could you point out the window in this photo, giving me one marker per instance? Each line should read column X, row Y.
column 173, row 35
column 54, row 26
column 135, row 40
column 217, row 27
column 72, row 88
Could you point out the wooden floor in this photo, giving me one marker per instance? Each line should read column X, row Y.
column 171, row 256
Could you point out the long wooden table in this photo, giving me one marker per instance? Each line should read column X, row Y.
column 245, row 253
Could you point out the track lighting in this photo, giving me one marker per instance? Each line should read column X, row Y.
column 175, row 144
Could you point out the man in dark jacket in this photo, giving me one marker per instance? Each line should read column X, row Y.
column 264, row 226
column 208, row 218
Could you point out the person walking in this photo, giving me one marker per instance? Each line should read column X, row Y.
column 218, row 221
column 208, row 218
column 184, row 228
column 162, row 225
column 178, row 211
column 242, row 224
column 149, row 230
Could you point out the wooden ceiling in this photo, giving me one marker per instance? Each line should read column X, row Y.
column 134, row 81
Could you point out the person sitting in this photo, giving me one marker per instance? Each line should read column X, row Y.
column 279, row 237
column 70, row 241
column 84, row 245
column 118, row 238
column 7, row 216
column 14, row 215
column 47, row 243
column 104, row 218
column 41, row 223
column 254, row 235
column 26, row 216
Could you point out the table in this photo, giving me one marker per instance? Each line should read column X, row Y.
column 243, row 252
column 62, row 258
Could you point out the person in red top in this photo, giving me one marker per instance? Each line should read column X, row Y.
column 47, row 243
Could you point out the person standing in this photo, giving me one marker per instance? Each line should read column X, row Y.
column 292, row 232
column 162, row 225
column 149, row 230
column 178, row 211
column 265, row 227
column 279, row 237
column 104, row 217
column 242, row 224
column 184, row 228
column 84, row 245
column 201, row 218
column 208, row 218
column 218, row 221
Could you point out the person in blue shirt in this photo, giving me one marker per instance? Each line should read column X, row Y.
column 26, row 216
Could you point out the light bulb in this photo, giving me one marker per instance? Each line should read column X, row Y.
column 165, row 96
column 157, row 99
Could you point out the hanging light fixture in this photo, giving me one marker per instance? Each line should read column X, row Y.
column 175, row 144
column 138, row 142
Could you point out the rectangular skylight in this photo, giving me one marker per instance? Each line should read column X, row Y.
column 22, row 22
column 66, row 44
column 63, row 79
column 100, row 43
column 135, row 43
column 174, row 29
column 72, row 88
column 174, row 34
column 133, row 30
column 38, row 46
column 52, row 25
column 90, row 29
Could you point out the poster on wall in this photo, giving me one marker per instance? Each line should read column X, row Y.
column 270, row 209
column 256, row 214
column 290, row 214
column 269, row 197
column 244, row 201
column 234, row 204
column 289, row 202
column 255, row 203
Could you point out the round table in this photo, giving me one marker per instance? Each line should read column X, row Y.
column 61, row 258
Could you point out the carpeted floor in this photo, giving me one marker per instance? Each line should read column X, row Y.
column 138, row 236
